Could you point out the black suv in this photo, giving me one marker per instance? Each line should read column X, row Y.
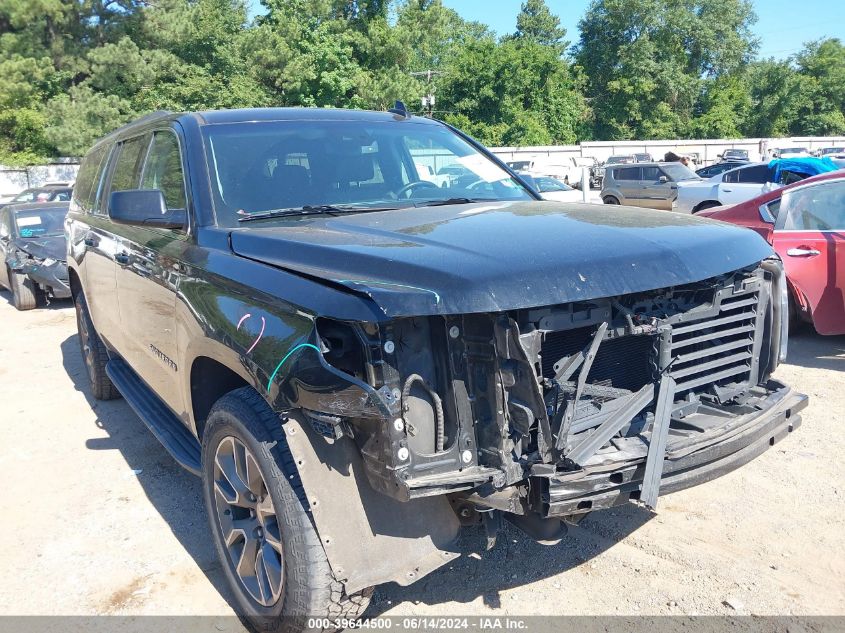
column 359, row 361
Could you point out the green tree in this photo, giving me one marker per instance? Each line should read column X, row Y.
column 647, row 60
column 537, row 23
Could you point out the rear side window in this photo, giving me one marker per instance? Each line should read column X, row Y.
column 163, row 170
column 87, row 180
column 627, row 173
column 758, row 174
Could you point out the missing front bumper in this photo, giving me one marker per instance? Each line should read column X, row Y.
column 600, row 486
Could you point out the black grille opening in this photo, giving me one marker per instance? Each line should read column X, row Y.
column 623, row 363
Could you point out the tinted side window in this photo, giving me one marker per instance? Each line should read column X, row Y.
column 86, row 181
column 758, row 174
column 652, row 174
column 627, row 173
column 163, row 170
column 731, row 176
column 125, row 173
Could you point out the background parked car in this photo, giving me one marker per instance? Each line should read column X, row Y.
column 552, row 189
column 719, row 168
column 734, row 154
column 50, row 192
column 643, row 158
column 652, row 185
column 33, row 252
column 792, row 152
column 805, row 223
column 746, row 182
column 830, row 151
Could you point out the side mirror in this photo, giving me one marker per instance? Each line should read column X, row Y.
column 145, row 207
column 663, row 180
column 719, row 155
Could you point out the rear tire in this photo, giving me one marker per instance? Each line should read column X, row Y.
column 24, row 292
column 287, row 579
column 94, row 353
column 706, row 205
column 610, row 200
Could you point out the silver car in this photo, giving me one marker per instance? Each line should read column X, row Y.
column 652, row 185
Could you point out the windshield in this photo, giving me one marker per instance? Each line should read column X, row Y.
column 677, row 172
column 346, row 165
column 40, row 222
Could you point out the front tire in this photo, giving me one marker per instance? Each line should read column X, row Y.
column 24, row 292
column 269, row 548
column 610, row 200
column 94, row 353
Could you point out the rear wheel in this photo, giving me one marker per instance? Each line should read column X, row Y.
column 610, row 200
column 94, row 353
column 706, row 205
column 270, row 551
column 24, row 292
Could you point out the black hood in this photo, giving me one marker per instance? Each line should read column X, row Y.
column 490, row 257
column 43, row 247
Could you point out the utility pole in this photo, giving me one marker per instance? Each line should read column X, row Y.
column 429, row 100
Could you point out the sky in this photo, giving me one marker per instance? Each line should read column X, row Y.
column 783, row 26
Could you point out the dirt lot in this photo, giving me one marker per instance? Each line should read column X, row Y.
column 99, row 519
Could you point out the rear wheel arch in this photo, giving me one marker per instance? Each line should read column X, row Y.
column 707, row 204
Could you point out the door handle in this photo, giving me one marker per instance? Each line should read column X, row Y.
column 803, row 252
column 122, row 259
column 727, row 190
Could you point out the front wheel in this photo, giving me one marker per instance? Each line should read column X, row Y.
column 24, row 292
column 270, row 550
column 610, row 200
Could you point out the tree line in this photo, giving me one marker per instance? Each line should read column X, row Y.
column 72, row 70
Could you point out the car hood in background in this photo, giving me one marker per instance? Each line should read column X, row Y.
column 43, row 247
column 490, row 257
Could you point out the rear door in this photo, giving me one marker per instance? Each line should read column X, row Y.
column 630, row 185
column 810, row 238
column 150, row 271
column 743, row 184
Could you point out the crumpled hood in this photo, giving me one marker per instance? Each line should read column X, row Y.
column 489, row 257
column 44, row 247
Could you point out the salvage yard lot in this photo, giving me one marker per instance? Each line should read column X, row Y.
column 99, row 519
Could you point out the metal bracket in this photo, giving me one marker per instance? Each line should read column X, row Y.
column 572, row 405
column 650, row 488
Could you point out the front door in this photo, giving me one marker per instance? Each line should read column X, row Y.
column 657, row 194
column 810, row 238
column 149, row 275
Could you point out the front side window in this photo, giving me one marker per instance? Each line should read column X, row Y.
column 676, row 172
column 125, row 174
column 651, row 173
column 280, row 165
column 163, row 170
column 819, row 207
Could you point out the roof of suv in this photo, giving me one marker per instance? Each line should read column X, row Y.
column 247, row 115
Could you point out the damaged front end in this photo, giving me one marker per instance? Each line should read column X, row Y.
column 548, row 413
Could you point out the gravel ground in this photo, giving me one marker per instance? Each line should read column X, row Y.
column 99, row 519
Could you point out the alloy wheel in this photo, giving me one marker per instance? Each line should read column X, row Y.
column 248, row 522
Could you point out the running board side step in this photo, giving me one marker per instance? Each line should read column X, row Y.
column 164, row 425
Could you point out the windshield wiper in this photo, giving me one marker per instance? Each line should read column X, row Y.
column 449, row 201
column 308, row 209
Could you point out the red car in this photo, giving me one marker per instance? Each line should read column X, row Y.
column 805, row 223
